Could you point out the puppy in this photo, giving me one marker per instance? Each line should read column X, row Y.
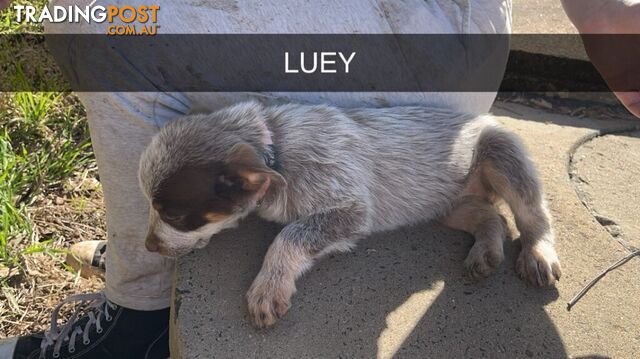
column 335, row 175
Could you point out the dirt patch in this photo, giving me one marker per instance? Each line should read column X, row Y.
column 64, row 214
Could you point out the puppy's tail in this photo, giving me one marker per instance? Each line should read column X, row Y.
column 502, row 153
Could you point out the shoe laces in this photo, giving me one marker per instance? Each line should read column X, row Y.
column 94, row 305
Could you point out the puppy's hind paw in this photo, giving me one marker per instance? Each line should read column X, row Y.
column 268, row 301
column 483, row 259
column 539, row 265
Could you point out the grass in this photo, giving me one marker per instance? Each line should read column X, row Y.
column 42, row 142
column 8, row 25
column 49, row 195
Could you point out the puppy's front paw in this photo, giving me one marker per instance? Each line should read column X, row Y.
column 269, row 299
column 539, row 264
column 483, row 259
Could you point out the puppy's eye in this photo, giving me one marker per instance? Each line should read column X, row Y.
column 175, row 218
column 226, row 181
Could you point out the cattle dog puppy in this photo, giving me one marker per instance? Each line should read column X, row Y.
column 332, row 176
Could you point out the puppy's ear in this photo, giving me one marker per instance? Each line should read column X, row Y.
column 245, row 162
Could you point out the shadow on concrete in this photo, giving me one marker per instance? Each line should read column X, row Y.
column 401, row 294
column 603, row 123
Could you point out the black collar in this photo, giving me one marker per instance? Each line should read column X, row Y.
column 269, row 156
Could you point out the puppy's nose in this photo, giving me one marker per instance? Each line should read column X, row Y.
column 151, row 243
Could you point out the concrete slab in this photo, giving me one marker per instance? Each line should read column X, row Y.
column 404, row 293
column 607, row 174
column 545, row 17
column 540, row 17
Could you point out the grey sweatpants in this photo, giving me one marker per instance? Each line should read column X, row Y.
column 122, row 124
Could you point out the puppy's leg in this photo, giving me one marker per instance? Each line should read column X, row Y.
column 507, row 170
column 293, row 252
column 477, row 216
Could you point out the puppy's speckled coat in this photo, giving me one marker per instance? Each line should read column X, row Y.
column 339, row 175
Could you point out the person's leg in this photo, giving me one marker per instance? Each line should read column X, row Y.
column 121, row 126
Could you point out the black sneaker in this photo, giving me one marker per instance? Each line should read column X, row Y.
column 105, row 330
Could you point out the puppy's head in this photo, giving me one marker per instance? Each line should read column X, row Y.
column 199, row 184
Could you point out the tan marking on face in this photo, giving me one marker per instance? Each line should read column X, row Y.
column 216, row 217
